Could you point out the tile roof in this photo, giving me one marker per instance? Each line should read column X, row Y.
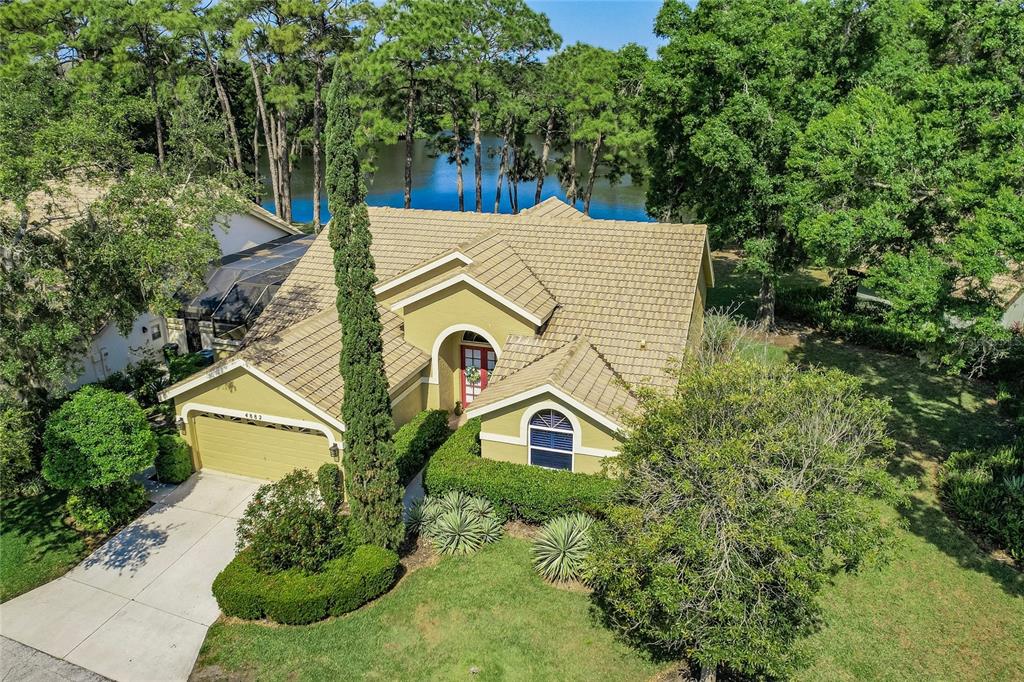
column 305, row 357
column 627, row 288
column 576, row 368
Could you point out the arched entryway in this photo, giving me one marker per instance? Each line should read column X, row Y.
column 462, row 361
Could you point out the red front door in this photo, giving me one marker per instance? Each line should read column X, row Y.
column 477, row 364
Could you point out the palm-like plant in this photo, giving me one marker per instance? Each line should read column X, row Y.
column 457, row 532
column 455, row 523
column 561, row 548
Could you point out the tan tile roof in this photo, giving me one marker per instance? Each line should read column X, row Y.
column 497, row 266
column 576, row 368
column 61, row 207
column 305, row 357
column 619, row 293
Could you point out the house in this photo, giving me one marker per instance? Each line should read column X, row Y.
column 536, row 323
column 111, row 351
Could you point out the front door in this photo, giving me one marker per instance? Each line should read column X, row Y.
column 477, row 364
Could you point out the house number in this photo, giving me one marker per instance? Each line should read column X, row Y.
column 254, row 416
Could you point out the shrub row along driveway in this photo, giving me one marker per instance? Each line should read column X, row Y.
column 138, row 608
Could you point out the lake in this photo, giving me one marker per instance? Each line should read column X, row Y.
column 433, row 185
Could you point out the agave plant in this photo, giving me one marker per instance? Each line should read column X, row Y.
column 414, row 516
column 480, row 506
column 491, row 528
column 561, row 547
column 457, row 532
column 455, row 500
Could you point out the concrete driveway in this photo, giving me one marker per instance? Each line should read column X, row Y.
column 139, row 606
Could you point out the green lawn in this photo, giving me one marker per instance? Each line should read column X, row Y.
column 488, row 611
column 35, row 545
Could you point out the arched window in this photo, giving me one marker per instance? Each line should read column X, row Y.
column 551, row 440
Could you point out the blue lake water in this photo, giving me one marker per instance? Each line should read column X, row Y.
column 433, row 186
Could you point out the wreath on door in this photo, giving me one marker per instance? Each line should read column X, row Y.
column 473, row 375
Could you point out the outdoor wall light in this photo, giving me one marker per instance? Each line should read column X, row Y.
column 180, row 423
column 335, row 452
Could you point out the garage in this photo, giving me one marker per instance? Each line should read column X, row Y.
column 257, row 449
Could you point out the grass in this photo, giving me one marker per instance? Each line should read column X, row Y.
column 489, row 611
column 35, row 544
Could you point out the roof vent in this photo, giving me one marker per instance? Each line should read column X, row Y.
column 643, row 344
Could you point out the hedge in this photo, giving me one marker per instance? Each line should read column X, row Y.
column 517, row 491
column 173, row 459
column 293, row 597
column 417, row 439
column 985, row 487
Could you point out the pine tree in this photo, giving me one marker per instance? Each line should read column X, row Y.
column 371, row 474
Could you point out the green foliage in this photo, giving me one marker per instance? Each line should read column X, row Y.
column 529, row 493
column 287, row 525
column 330, row 482
column 16, row 441
column 95, row 439
column 296, row 598
column 101, row 510
column 455, row 522
column 143, row 379
column 371, row 472
column 181, row 366
column 173, row 459
column 744, row 493
column 417, row 440
column 985, row 487
column 561, row 547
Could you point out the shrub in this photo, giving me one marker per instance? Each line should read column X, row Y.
column 417, row 440
column 288, row 525
column 294, row 597
column 985, row 487
column 328, row 478
column 181, row 366
column 143, row 380
column 95, row 439
column 455, row 523
column 173, row 459
column 529, row 493
column 562, row 546
column 16, row 438
column 101, row 510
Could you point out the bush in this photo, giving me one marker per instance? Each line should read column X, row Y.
column 294, row 597
column 328, row 478
column 101, row 510
column 287, row 525
column 95, row 439
column 417, row 440
column 985, row 487
column 173, row 459
column 866, row 324
column 181, row 366
column 562, row 547
column 16, row 437
column 516, row 491
column 143, row 380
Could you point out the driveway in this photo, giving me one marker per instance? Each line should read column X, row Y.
column 138, row 608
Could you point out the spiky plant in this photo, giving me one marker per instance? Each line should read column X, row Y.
column 491, row 528
column 480, row 506
column 561, row 547
column 455, row 500
column 457, row 532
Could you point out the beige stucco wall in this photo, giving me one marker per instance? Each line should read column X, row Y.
column 507, row 422
column 461, row 305
column 697, row 313
column 412, row 404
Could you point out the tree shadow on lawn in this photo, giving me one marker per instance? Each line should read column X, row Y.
column 40, row 520
column 933, row 415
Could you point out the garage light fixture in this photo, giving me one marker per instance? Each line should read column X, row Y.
column 335, row 452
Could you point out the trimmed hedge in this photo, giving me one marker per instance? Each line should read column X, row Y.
column 417, row 439
column 985, row 487
column 529, row 493
column 173, row 459
column 293, row 597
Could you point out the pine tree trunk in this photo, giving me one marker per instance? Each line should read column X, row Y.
column 592, row 175
column 459, row 187
column 542, row 167
column 318, row 86
column 225, row 104
column 513, row 178
column 157, row 119
column 478, row 162
column 410, row 130
column 766, row 303
column 570, row 193
column 256, row 155
column 284, row 168
column 268, row 136
column 708, row 673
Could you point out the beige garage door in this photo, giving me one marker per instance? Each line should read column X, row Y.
column 257, row 450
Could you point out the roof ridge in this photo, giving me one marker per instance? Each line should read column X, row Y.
column 508, row 245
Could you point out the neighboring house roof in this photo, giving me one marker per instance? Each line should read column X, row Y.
column 57, row 210
column 613, row 299
column 266, row 216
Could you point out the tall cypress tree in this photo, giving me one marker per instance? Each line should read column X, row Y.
column 371, row 474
